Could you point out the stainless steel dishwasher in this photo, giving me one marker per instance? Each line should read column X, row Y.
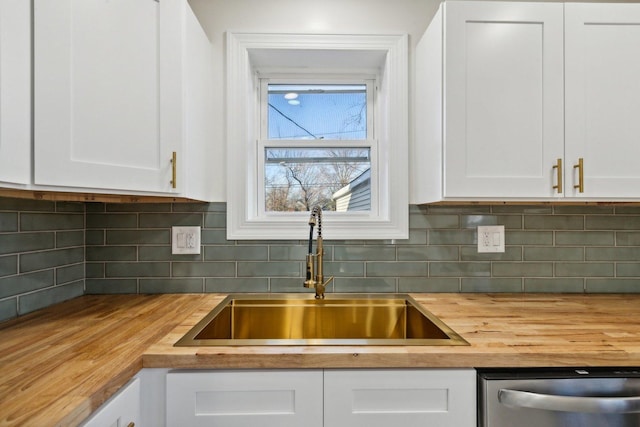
column 565, row 397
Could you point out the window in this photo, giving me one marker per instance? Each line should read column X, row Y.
column 317, row 139
column 317, row 120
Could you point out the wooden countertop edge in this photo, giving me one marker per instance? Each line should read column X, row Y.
column 92, row 402
column 377, row 360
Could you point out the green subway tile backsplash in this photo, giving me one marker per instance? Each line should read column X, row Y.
column 8, row 221
column 554, row 222
column 243, row 284
column 50, row 251
column 50, row 221
column 24, row 283
column 42, row 257
column 138, row 237
column 171, row 286
column 490, row 284
column 522, row 269
column 364, row 285
column 111, row 286
column 164, row 220
column 240, row 253
column 627, row 238
column 554, row 285
column 428, row 253
column 98, row 220
column 364, row 253
column 460, row 269
column 552, row 254
column 584, row 269
column 619, row 222
column 8, row 265
column 204, row 269
column 585, row 238
column 269, row 269
column 429, row 284
column 626, row 253
column 50, row 259
column 11, row 243
column 612, row 285
column 138, row 269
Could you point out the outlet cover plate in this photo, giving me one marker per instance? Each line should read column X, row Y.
column 185, row 240
column 491, row 238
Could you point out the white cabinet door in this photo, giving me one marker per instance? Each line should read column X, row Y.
column 503, row 98
column 400, row 397
column 15, row 91
column 122, row 410
column 108, row 99
column 602, row 43
column 270, row 398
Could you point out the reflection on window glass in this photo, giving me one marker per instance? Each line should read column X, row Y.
column 317, row 111
column 297, row 179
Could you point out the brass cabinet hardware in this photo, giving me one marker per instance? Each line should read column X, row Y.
column 580, row 167
column 558, row 166
column 131, row 424
column 173, row 170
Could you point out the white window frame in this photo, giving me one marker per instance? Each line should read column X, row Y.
column 385, row 57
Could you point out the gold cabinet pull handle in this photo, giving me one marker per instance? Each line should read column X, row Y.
column 131, row 424
column 558, row 166
column 173, row 170
column 580, row 167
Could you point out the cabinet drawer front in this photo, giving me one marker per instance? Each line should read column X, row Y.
column 242, row 398
column 371, row 398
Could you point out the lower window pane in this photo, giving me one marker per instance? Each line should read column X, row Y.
column 297, row 179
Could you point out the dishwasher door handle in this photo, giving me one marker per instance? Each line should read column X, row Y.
column 550, row 402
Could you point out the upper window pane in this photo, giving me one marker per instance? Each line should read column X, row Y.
column 317, row 111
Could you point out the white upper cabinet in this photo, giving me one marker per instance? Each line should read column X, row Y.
column 493, row 119
column 528, row 101
column 602, row 62
column 114, row 96
column 15, row 92
column 503, row 98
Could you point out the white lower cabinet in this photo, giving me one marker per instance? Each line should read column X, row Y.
column 315, row 398
column 121, row 410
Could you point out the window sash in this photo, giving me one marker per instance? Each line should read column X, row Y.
column 263, row 145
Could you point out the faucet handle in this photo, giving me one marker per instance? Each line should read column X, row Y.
column 320, row 288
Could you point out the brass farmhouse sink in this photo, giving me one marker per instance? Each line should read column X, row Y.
column 300, row 319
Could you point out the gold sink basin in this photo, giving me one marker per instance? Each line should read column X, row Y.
column 300, row 319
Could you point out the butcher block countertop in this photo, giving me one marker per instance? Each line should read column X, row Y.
column 59, row 364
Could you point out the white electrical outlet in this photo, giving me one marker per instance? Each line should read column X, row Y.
column 185, row 240
column 491, row 238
